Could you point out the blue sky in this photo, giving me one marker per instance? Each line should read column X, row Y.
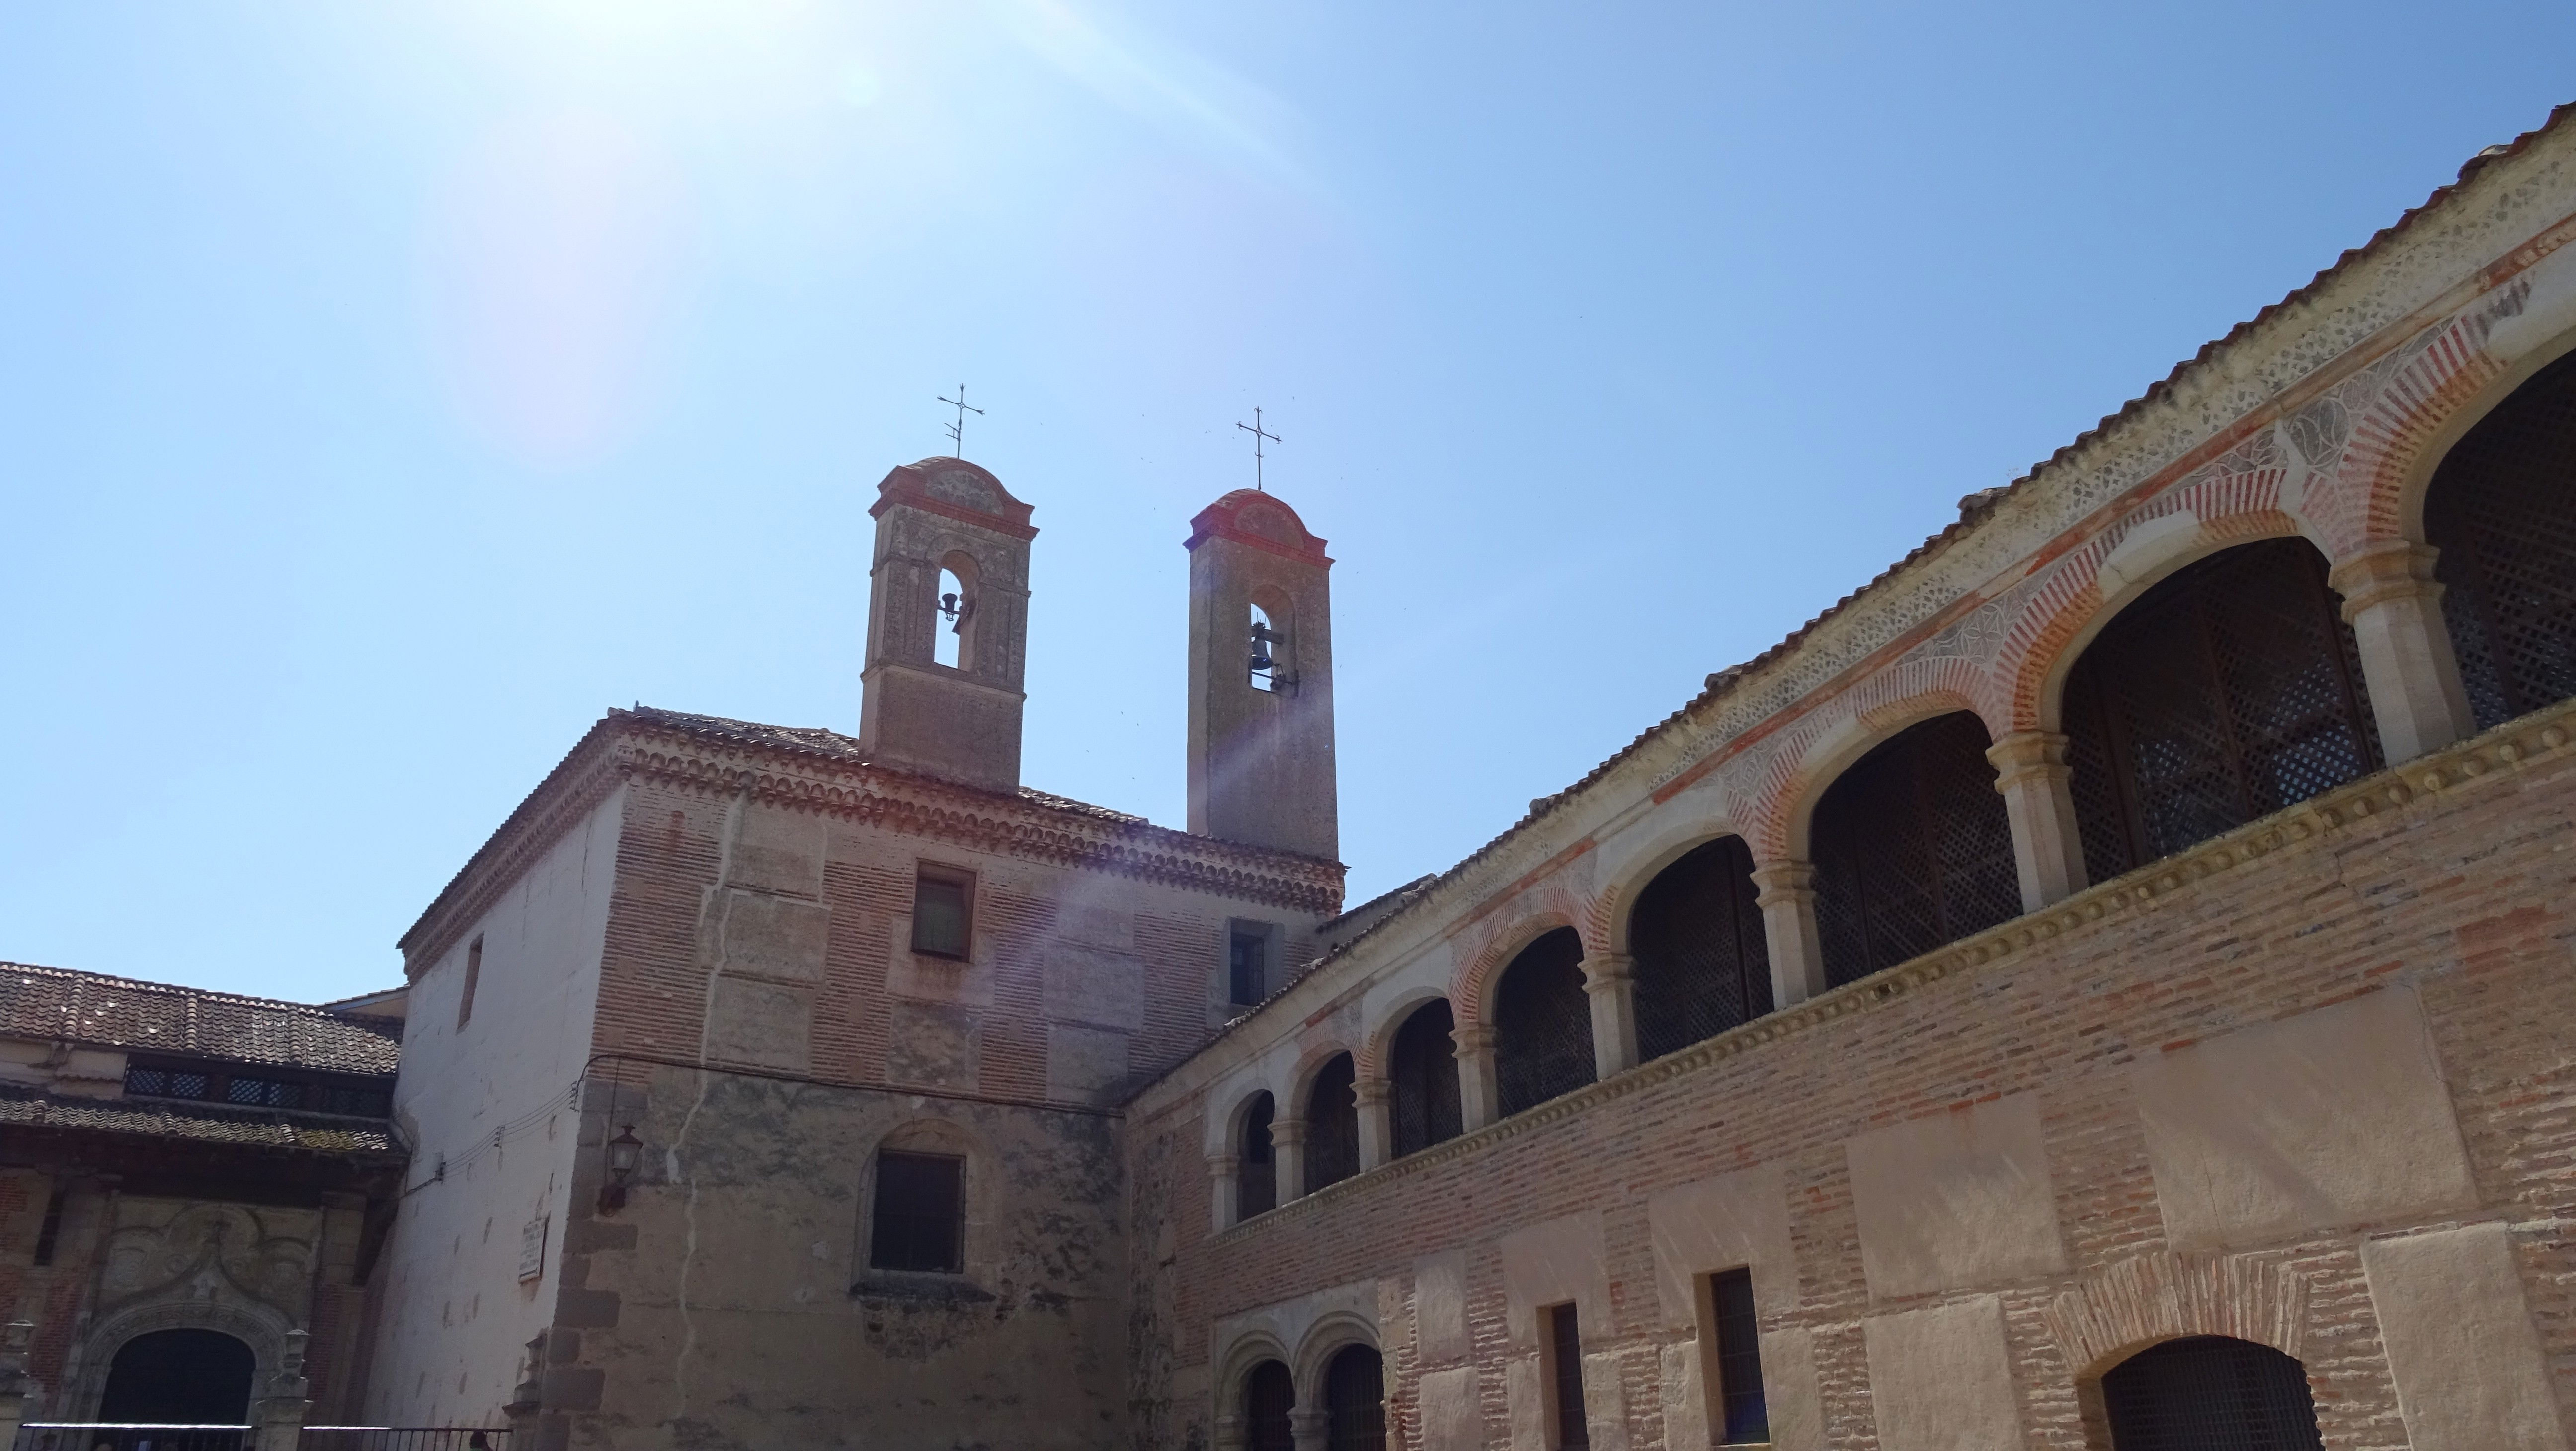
column 386, row 391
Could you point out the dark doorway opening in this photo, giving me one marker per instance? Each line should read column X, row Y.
column 1355, row 1400
column 2210, row 1393
column 179, row 1378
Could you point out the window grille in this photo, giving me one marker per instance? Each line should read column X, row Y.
column 1256, row 1185
column 1565, row 1345
column 920, row 1213
column 2225, row 693
column 264, row 1092
column 1702, row 964
column 1744, row 1416
column 1269, row 1395
column 942, row 912
column 1248, row 965
column 1424, row 1072
column 2502, row 511
column 1355, row 1401
column 1332, row 1124
column 2210, row 1393
column 1912, row 849
column 1542, row 1023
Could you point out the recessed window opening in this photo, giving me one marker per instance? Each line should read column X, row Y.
column 1423, row 1070
column 473, row 978
column 1565, row 1378
column 1247, row 960
column 1702, row 963
column 1735, row 1345
column 1355, row 1400
column 1912, row 849
column 1332, row 1124
column 956, row 610
column 1269, row 668
column 50, row 1233
column 2503, row 515
column 1269, row 1405
column 2210, row 1390
column 1542, row 1023
column 943, row 910
column 2228, row 691
column 1256, row 1185
column 920, row 1221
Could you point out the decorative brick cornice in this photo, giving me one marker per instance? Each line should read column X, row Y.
column 655, row 746
column 2517, row 745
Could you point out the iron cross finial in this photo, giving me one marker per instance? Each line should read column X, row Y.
column 1258, row 434
column 957, row 430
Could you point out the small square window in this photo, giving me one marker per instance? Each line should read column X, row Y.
column 943, row 912
column 1248, row 963
column 920, row 1213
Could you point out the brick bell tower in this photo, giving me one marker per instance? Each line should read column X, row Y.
column 945, row 515
column 1261, row 678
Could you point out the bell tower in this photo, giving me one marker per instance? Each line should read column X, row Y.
column 947, row 517
column 1261, row 678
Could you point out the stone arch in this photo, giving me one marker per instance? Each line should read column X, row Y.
column 1247, row 1351
column 1471, row 991
column 260, row 1326
column 1822, row 753
column 1310, row 1061
column 1377, row 1043
column 2138, row 1302
column 1226, row 1128
column 1616, row 902
column 2106, row 578
column 1332, row 1332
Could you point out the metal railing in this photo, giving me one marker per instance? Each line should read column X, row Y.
column 404, row 1438
column 129, row 1436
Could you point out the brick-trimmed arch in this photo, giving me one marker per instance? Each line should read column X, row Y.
column 2163, row 1296
column 1377, row 1041
column 1606, row 918
column 2374, row 438
column 1471, row 989
column 1821, row 749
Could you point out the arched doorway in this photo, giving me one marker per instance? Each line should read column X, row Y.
column 179, row 1377
column 1912, row 849
column 2230, row 690
column 2502, row 511
column 1542, row 1023
column 1269, row 1395
column 1702, row 964
column 2210, row 1393
column 1355, row 1400
column 1332, row 1124
column 1424, row 1072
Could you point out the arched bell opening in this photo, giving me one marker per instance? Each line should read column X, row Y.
column 1422, row 1072
column 185, row 1377
column 2501, row 508
column 1269, row 1398
column 1912, row 849
column 1355, row 1400
column 1702, row 965
column 1332, row 1124
column 1542, row 1023
column 1256, row 1185
column 2207, row 1391
column 2228, row 691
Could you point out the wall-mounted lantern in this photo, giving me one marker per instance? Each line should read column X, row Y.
column 625, row 1152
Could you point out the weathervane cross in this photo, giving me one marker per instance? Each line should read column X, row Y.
column 957, row 430
column 1254, row 428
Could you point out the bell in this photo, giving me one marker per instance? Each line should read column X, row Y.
column 1260, row 655
column 948, row 606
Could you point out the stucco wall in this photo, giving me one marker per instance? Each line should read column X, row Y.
column 489, row 1110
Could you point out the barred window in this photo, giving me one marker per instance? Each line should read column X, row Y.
column 920, row 1213
column 1565, row 1377
column 1542, row 1023
column 1702, row 964
column 1355, row 1400
column 1423, row 1074
column 2502, row 511
column 2230, row 690
column 1332, row 1124
column 943, row 912
column 1269, row 1401
column 1256, row 1185
column 263, row 1092
column 2210, row 1390
column 1912, row 849
column 1248, row 963
column 1744, row 1417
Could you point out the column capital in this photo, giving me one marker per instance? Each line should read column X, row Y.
column 1224, row 1166
column 1309, row 1425
column 2026, row 754
column 1783, row 881
column 1472, row 1040
column 1287, row 1133
column 1372, row 1091
column 2392, row 569
column 1602, row 970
